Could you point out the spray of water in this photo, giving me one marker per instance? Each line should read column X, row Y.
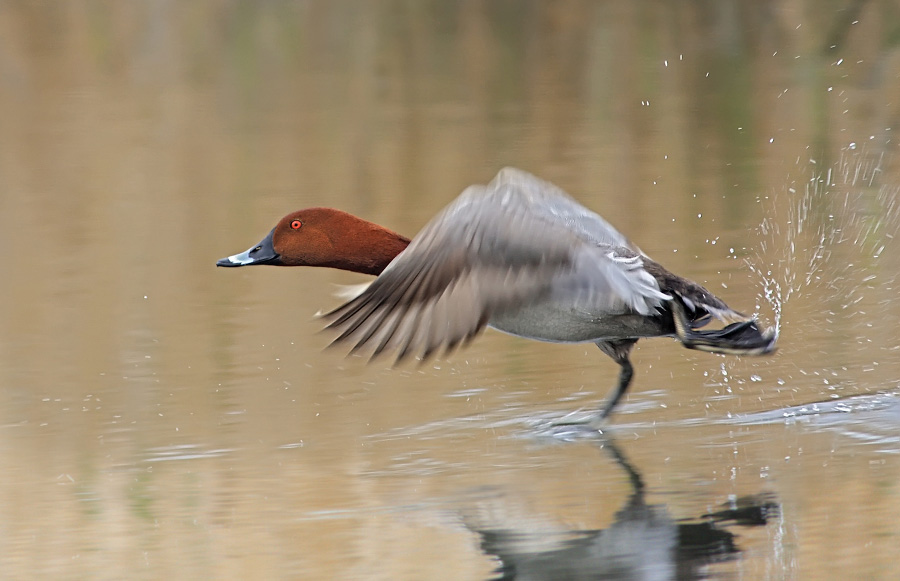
column 824, row 237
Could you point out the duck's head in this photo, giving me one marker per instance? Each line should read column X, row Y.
column 324, row 237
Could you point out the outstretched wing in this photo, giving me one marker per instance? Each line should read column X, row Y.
column 496, row 248
column 554, row 204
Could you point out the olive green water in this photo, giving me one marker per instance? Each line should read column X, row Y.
column 162, row 418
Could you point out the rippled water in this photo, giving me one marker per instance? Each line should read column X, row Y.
column 164, row 418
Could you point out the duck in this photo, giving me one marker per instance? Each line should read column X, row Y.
column 519, row 255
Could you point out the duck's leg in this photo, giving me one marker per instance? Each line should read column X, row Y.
column 618, row 350
column 740, row 338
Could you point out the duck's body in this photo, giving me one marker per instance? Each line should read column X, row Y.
column 519, row 255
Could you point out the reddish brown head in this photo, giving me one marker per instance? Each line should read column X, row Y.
column 324, row 237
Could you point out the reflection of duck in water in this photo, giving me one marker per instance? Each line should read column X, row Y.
column 644, row 542
column 519, row 255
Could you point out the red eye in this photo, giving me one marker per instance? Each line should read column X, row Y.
column 295, row 225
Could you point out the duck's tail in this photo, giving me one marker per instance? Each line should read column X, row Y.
column 692, row 307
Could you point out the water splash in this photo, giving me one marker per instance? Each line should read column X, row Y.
column 838, row 225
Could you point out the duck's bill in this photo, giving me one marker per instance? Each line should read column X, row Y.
column 262, row 253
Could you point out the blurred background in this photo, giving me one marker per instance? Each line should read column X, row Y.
column 160, row 417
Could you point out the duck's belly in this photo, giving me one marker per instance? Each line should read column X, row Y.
column 551, row 322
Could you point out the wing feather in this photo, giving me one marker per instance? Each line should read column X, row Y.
column 495, row 249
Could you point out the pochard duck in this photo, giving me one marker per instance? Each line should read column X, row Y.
column 519, row 255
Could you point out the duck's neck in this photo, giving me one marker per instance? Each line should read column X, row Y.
column 362, row 246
